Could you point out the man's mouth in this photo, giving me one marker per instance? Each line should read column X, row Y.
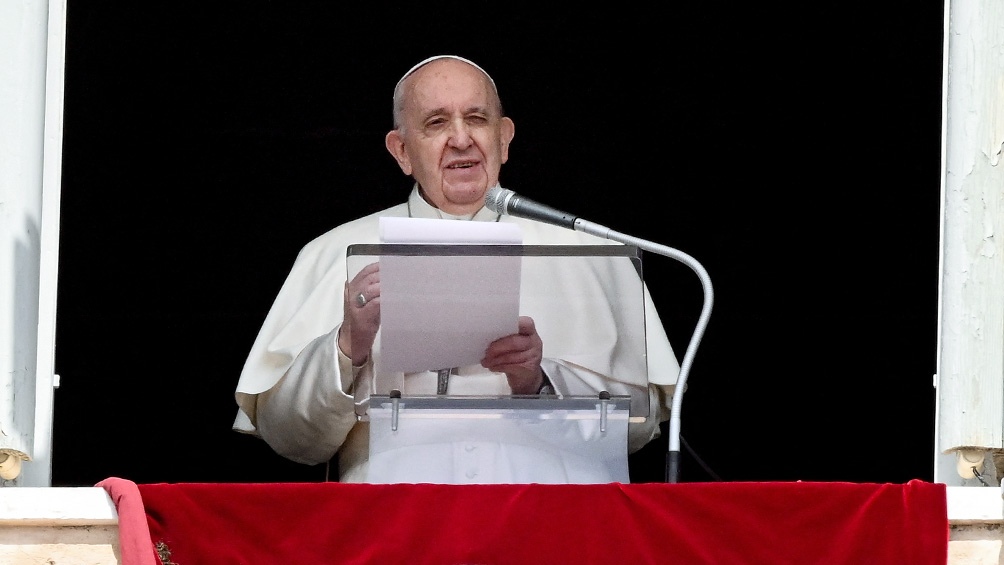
column 462, row 165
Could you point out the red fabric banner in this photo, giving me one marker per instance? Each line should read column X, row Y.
column 690, row 523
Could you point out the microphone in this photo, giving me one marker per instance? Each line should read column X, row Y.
column 504, row 201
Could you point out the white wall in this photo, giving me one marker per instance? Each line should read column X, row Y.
column 32, row 34
column 970, row 379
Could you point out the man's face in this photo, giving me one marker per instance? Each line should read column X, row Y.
column 452, row 139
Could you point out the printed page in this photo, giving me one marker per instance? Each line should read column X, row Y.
column 439, row 312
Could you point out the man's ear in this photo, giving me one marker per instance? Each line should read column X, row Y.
column 395, row 145
column 508, row 132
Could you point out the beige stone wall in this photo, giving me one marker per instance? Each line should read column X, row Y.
column 58, row 526
column 59, row 545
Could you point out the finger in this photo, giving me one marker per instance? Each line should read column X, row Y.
column 368, row 275
column 526, row 326
column 368, row 270
column 527, row 357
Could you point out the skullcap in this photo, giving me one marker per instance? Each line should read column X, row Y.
column 421, row 64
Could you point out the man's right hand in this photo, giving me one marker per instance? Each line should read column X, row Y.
column 361, row 303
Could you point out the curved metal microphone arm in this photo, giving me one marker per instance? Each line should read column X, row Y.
column 673, row 455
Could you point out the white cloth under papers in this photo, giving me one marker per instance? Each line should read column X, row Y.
column 550, row 441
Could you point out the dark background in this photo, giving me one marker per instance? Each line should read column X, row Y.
column 792, row 148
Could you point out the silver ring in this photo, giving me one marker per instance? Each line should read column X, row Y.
column 360, row 300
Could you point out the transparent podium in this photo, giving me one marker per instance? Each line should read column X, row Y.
column 435, row 415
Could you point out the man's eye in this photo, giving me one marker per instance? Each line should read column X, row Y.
column 477, row 119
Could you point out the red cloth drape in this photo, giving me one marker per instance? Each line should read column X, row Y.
column 690, row 523
column 134, row 534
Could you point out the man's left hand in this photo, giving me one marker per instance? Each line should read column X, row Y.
column 518, row 356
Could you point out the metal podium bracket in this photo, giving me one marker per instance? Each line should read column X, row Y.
column 603, row 407
column 604, row 401
column 395, row 400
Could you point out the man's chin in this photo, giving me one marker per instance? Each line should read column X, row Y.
column 468, row 193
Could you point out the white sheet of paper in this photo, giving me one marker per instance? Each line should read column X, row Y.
column 440, row 312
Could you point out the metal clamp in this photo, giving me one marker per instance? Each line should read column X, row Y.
column 604, row 403
column 395, row 401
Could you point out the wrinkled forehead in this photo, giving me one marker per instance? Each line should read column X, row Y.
column 425, row 62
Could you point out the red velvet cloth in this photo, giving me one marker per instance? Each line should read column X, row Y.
column 134, row 534
column 690, row 523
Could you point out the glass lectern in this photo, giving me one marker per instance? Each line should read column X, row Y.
column 434, row 412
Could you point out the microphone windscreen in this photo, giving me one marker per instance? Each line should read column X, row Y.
column 495, row 199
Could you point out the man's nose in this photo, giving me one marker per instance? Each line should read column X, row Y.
column 460, row 135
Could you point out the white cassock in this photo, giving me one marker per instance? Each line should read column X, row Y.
column 304, row 398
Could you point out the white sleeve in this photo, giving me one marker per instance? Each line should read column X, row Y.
column 306, row 416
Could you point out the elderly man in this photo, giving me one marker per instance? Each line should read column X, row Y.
column 306, row 381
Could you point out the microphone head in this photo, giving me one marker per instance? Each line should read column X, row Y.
column 496, row 198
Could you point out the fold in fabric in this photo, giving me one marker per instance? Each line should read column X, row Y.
column 134, row 531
